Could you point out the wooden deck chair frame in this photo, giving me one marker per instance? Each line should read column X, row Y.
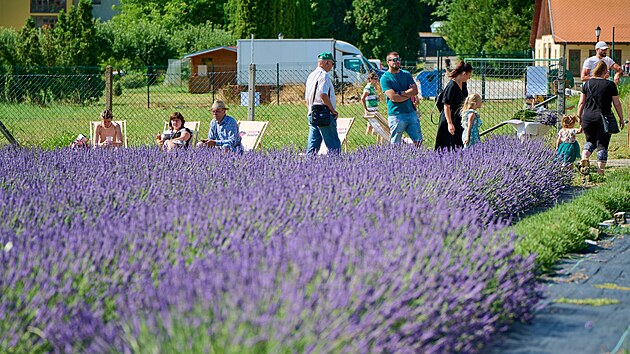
column 379, row 125
column 123, row 128
column 194, row 126
column 343, row 128
column 252, row 133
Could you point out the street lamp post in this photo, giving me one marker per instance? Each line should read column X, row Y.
column 598, row 31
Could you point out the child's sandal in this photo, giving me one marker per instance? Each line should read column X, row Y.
column 585, row 167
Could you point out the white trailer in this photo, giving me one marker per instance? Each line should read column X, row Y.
column 290, row 61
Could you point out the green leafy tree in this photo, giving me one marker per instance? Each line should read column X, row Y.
column 331, row 20
column 195, row 38
column 8, row 46
column 76, row 36
column 173, row 14
column 490, row 25
column 48, row 43
column 388, row 25
column 29, row 52
column 143, row 43
column 247, row 17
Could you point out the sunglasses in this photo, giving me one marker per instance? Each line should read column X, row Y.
column 395, row 60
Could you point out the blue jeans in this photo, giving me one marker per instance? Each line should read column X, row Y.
column 404, row 122
column 327, row 134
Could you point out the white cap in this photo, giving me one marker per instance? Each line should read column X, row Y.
column 601, row 45
column 81, row 137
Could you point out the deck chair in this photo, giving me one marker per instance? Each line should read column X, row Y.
column 123, row 129
column 251, row 134
column 343, row 127
column 528, row 130
column 379, row 126
column 194, row 126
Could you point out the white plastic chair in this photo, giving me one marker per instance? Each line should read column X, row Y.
column 123, row 129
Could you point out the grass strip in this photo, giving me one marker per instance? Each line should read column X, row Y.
column 588, row 301
column 612, row 286
column 563, row 229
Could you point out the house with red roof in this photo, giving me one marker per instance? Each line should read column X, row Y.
column 567, row 28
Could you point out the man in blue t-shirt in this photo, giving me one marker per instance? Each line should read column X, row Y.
column 399, row 88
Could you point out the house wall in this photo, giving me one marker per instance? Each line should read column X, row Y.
column 103, row 10
column 546, row 48
column 14, row 13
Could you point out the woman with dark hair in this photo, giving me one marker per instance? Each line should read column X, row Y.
column 598, row 95
column 177, row 136
column 449, row 134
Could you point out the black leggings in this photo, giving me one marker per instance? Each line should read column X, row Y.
column 596, row 138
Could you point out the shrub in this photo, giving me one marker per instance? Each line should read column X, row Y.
column 118, row 91
column 132, row 81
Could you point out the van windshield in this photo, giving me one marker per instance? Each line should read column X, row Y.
column 354, row 65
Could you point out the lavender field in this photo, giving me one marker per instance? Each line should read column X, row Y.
column 382, row 250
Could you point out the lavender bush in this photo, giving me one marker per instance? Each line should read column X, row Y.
column 382, row 250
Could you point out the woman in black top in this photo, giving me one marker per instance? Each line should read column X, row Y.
column 178, row 135
column 449, row 134
column 598, row 94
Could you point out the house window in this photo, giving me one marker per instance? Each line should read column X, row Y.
column 575, row 65
column 617, row 56
column 41, row 21
column 48, row 6
column 96, row 2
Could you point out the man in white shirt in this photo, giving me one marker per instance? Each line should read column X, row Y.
column 601, row 49
column 320, row 94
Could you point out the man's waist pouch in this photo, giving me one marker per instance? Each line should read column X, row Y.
column 321, row 115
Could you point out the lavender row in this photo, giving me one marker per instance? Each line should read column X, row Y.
column 384, row 249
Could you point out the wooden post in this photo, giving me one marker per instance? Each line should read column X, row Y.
column 108, row 87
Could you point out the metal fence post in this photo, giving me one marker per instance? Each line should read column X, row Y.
column 251, row 98
column 108, row 87
column 278, row 83
column 148, row 85
column 212, row 83
column 483, row 76
column 342, row 85
column 561, row 95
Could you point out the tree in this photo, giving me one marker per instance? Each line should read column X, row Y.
column 29, row 52
column 388, row 25
column 8, row 46
column 490, row 25
column 76, row 36
column 144, row 43
column 247, row 17
column 173, row 14
column 329, row 20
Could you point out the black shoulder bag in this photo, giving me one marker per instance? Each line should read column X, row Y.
column 321, row 115
column 610, row 123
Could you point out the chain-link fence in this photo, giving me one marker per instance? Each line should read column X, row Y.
column 49, row 107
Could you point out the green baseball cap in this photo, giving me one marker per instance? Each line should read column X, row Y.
column 326, row 56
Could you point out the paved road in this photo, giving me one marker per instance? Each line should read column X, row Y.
column 566, row 328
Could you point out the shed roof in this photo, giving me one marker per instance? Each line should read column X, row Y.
column 215, row 49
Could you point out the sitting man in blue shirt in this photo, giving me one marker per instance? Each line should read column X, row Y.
column 223, row 131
